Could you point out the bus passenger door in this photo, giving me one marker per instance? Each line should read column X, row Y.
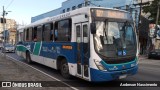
column 82, row 39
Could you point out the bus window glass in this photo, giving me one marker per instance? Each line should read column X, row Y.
column 30, row 34
column 39, row 33
column 20, row 38
column 51, row 32
column 27, row 34
column 85, row 38
column 24, row 36
column 78, row 34
column 64, row 30
column 55, row 31
column 85, row 33
column 47, row 32
column 35, row 34
column 112, row 37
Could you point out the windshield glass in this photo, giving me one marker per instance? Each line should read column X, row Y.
column 8, row 45
column 115, row 39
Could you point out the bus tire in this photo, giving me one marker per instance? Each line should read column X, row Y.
column 28, row 58
column 64, row 69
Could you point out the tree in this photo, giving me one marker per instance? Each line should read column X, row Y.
column 152, row 9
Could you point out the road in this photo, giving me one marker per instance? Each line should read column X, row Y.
column 149, row 70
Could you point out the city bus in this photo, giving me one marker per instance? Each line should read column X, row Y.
column 92, row 43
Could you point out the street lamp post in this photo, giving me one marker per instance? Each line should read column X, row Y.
column 4, row 33
column 4, row 37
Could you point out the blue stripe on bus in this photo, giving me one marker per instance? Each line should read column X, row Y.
column 54, row 49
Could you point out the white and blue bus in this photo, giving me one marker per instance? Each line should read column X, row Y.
column 92, row 43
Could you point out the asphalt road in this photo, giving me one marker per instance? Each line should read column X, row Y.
column 149, row 70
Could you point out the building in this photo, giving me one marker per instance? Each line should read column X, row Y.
column 72, row 5
column 10, row 29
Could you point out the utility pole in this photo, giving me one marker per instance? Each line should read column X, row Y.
column 141, row 4
column 4, row 36
column 138, row 28
column 139, row 15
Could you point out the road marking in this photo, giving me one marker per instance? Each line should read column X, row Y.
column 41, row 72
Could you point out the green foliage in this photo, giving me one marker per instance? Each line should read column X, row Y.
column 152, row 9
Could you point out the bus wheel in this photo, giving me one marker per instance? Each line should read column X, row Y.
column 28, row 58
column 64, row 69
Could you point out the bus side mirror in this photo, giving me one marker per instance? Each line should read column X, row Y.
column 93, row 28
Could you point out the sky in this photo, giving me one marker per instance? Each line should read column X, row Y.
column 23, row 10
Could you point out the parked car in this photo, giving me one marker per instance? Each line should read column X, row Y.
column 8, row 48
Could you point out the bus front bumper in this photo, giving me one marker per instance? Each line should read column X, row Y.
column 101, row 76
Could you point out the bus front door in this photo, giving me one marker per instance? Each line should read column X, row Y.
column 82, row 38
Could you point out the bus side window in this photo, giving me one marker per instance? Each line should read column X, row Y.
column 47, row 32
column 55, row 31
column 39, row 33
column 51, row 32
column 27, row 34
column 24, row 32
column 20, row 36
column 35, row 34
column 64, row 30
column 30, row 34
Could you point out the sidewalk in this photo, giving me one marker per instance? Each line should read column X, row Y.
column 15, row 71
column 143, row 57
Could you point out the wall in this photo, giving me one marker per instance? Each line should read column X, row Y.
column 10, row 26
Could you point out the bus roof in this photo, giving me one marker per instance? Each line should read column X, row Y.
column 80, row 11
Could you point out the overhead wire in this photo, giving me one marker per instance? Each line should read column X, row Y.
column 9, row 4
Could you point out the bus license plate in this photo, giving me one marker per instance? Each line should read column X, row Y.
column 122, row 76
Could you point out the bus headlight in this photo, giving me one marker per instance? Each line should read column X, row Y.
column 99, row 65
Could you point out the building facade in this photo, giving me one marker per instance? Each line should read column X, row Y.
column 10, row 31
column 69, row 5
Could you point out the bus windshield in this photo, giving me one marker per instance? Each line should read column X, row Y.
column 115, row 39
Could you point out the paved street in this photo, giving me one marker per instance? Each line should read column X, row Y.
column 149, row 70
